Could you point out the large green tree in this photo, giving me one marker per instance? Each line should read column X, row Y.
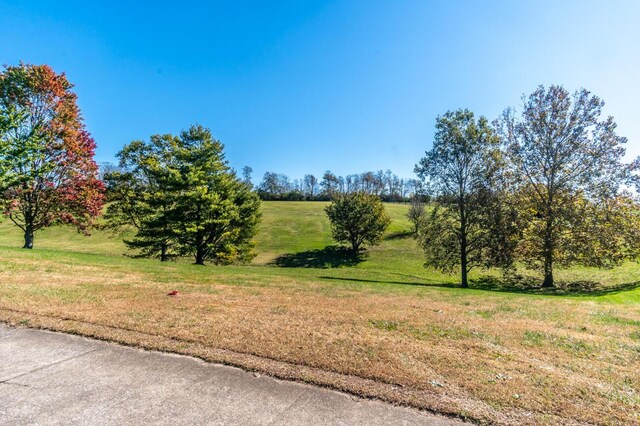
column 141, row 194
column 183, row 199
column 461, row 173
column 357, row 218
column 48, row 174
column 217, row 214
column 569, row 176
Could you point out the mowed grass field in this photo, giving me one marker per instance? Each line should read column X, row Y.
column 382, row 327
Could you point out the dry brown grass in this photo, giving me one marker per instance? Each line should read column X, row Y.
column 489, row 357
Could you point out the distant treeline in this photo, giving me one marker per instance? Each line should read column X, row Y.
column 280, row 187
column 384, row 184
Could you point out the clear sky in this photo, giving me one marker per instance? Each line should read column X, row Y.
column 303, row 86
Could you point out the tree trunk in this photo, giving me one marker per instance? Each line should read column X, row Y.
column 28, row 238
column 463, row 241
column 200, row 246
column 163, row 253
column 548, row 271
column 200, row 254
column 355, row 245
column 463, row 263
column 464, row 283
column 548, row 253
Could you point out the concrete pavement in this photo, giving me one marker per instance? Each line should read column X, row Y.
column 54, row 378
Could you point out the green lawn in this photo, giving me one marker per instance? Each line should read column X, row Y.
column 383, row 326
column 287, row 228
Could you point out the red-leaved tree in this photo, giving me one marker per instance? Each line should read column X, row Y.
column 47, row 172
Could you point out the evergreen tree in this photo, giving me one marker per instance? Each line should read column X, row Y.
column 183, row 199
column 142, row 194
column 216, row 214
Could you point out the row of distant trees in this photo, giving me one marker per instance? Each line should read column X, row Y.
column 384, row 184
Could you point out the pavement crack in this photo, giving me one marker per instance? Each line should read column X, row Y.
column 5, row 381
column 23, row 385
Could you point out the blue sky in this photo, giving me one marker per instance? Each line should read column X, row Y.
column 304, row 86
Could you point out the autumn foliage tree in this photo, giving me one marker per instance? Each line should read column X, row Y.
column 48, row 174
column 569, row 180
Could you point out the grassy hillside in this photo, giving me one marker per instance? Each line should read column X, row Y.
column 383, row 327
column 292, row 236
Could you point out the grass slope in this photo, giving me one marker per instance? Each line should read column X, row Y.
column 383, row 327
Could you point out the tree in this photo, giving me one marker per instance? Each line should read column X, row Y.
column 184, row 200
column 140, row 194
column 310, row 185
column 341, row 185
column 460, row 174
column 372, row 183
column 329, row 184
column 216, row 214
column 568, row 175
column 416, row 213
column 48, row 174
column 357, row 218
column 247, row 172
column 274, row 186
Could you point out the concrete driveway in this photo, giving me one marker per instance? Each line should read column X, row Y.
column 54, row 378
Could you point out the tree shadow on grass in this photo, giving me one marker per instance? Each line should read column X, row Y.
column 531, row 285
column 362, row 280
column 398, row 235
column 519, row 284
column 328, row 257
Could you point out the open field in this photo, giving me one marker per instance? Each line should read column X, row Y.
column 382, row 326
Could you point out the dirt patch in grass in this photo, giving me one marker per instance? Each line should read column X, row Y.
column 489, row 357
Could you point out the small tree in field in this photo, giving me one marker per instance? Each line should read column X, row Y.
column 569, row 177
column 357, row 218
column 47, row 172
column 416, row 213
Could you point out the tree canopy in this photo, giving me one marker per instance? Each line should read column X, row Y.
column 48, row 174
column 569, row 180
column 183, row 199
column 461, row 174
column 357, row 218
